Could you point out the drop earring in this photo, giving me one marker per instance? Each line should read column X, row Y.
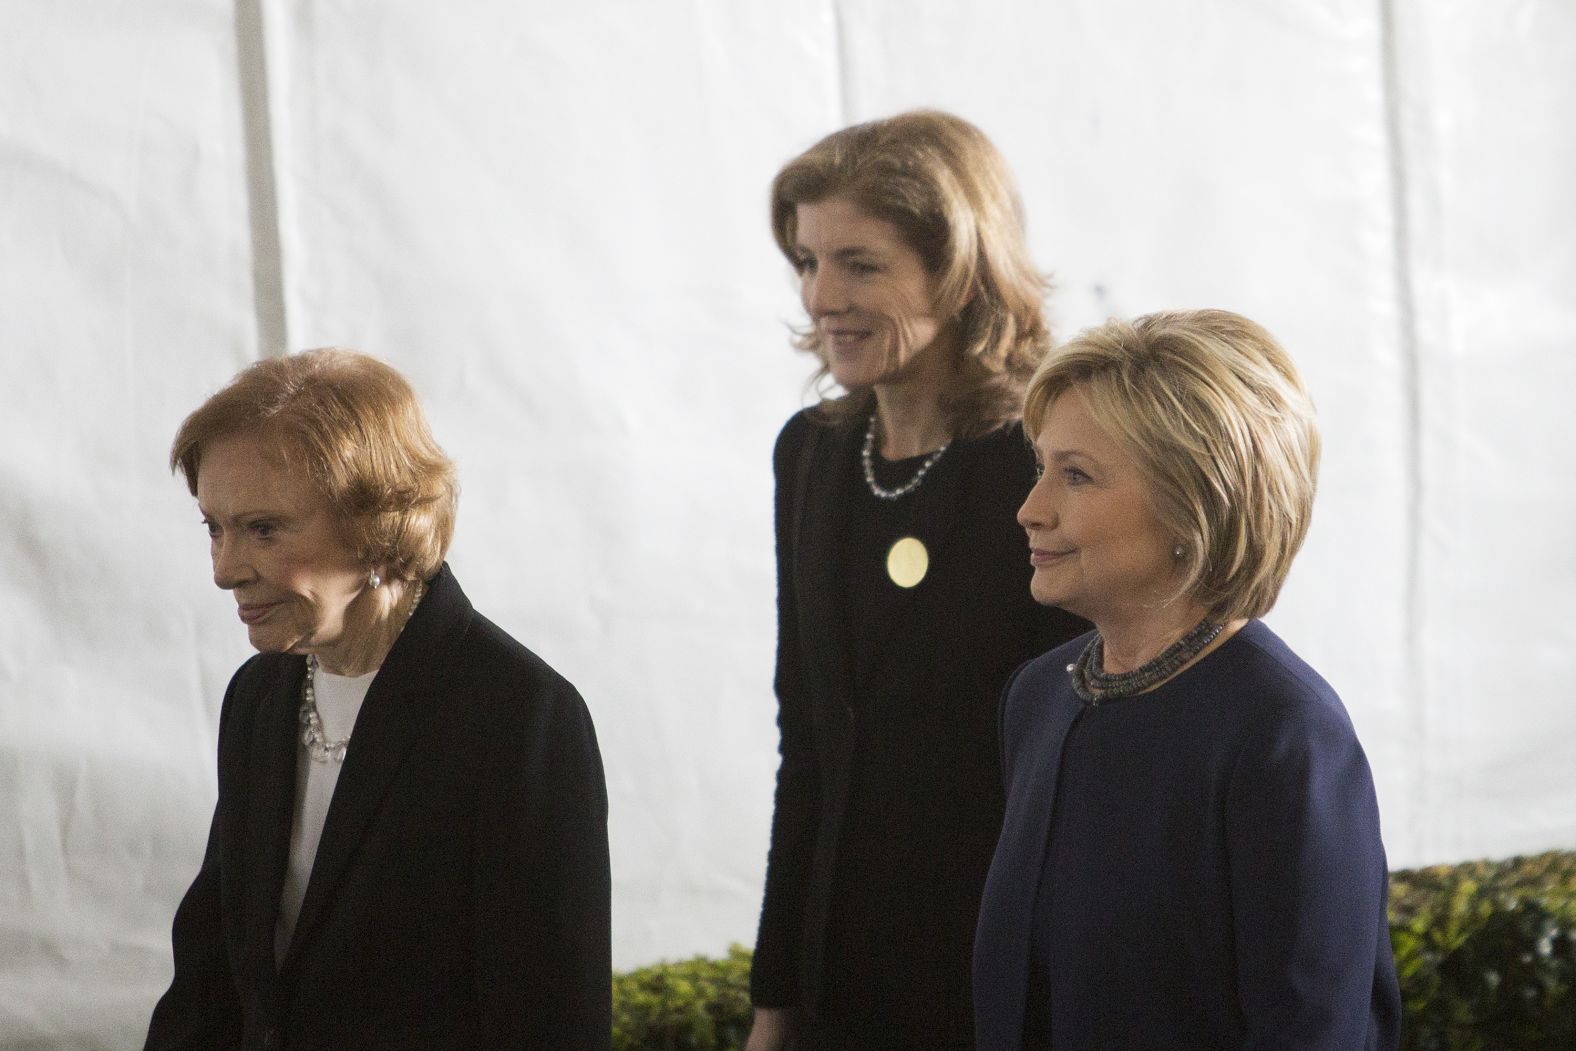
column 373, row 580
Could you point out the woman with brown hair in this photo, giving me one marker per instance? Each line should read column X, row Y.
column 410, row 844
column 902, row 581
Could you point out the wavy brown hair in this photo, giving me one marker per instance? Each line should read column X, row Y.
column 947, row 190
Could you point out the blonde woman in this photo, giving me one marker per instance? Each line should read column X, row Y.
column 1190, row 857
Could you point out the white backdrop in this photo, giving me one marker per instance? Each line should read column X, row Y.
column 551, row 217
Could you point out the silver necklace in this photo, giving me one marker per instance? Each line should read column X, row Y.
column 866, row 457
column 318, row 746
column 1093, row 684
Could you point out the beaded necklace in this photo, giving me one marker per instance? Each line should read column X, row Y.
column 1093, row 684
column 866, row 459
column 318, row 746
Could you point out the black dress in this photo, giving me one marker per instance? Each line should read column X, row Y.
column 889, row 795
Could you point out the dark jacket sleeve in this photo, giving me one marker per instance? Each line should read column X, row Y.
column 542, row 884
column 201, row 1010
column 774, row 976
column 1308, row 888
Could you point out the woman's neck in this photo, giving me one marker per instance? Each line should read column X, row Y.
column 909, row 413
column 372, row 623
column 1132, row 644
column 1132, row 641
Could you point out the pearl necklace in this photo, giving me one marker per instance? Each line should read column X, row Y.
column 866, row 458
column 318, row 746
column 1091, row 682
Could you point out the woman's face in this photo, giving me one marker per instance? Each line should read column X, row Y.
column 1095, row 544
column 275, row 543
column 866, row 290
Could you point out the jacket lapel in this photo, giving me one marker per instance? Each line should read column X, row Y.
column 403, row 696
column 270, row 810
column 1036, row 721
column 821, row 514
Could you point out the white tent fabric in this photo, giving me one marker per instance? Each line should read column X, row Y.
column 551, row 217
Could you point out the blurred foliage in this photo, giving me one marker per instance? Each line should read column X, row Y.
column 1485, row 951
column 1486, row 954
column 698, row 1004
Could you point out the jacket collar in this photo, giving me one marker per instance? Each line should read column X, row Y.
column 270, row 807
column 407, row 691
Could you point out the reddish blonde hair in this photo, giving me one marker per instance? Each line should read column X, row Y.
column 354, row 427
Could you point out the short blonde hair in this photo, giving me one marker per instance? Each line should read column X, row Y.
column 946, row 188
column 1213, row 412
column 354, row 427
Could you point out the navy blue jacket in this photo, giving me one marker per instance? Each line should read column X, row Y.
column 1195, row 867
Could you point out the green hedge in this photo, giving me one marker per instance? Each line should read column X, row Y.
column 1486, row 954
column 692, row 1005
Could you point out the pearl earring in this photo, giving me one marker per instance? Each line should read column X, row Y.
column 374, row 581
column 1178, row 551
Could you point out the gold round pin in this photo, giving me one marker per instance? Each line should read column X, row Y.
column 907, row 562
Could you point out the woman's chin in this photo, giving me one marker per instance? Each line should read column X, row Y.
column 862, row 369
column 1047, row 595
column 265, row 639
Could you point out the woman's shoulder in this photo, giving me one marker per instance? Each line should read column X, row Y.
column 512, row 696
column 508, row 662
column 809, row 430
column 810, row 422
column 792, row 435
column 1276, row 691
column 1284, row 733
column 998, row 464
column 1266, row 658
column 1004, row 443
column 448, row 636
column 1044, row 676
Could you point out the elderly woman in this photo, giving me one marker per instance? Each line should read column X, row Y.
column 410, row 847
column 902, row 593
column 1190, row 856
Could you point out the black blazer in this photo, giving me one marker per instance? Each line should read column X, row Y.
column 460, row 893
column 974, row 608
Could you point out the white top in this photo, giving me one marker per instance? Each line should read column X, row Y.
column 339, row 700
